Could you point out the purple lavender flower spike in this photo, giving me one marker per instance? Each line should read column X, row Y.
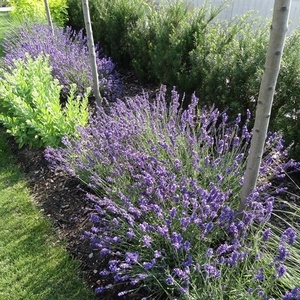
column 281, row 271
column 169, row 280
column 212, row 272
column 147, row 241
column 289, row 236
column 266, row 234
column 164, row 189
column 283, row 253
column 260, row 275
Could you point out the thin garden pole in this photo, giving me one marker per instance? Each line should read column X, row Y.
column 91, row 47
column 49, row 16
column 278, row 31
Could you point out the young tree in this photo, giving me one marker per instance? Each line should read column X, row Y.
column 91, row 47
column 49, row 15
column 278, row 31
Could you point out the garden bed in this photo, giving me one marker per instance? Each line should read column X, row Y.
column 63, row 199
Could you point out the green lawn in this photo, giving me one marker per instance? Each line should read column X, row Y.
column 5, row 24
column 33, row 263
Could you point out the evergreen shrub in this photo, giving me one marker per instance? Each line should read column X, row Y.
column 286, row 109
column 112, row 21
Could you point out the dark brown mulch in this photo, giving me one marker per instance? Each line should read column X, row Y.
column 63, row 201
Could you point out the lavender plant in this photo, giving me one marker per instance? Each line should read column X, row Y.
column 166, row 188
column 68, row 55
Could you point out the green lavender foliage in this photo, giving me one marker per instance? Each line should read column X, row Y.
column 30, row 107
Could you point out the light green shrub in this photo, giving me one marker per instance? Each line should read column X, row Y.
column 4, row 3
column 59, row 12
column 34, row 10
column 30, row 105
column 286, row 109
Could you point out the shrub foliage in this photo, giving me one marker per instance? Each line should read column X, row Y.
column 112, row 22
column 34, row 10
column 30, row 105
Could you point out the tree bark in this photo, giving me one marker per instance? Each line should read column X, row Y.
column 49, row 16
column 91, row 47
column 278, row 31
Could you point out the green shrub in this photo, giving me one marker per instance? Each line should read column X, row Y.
column 59, row 12
column 158, row 51
column 30, row 105
column 189, row 49
column 112, row 22
column 4, row 3
column 219, row 61
column 230, row 63
column 75, row 15
column 34, row 10
column 286, row 107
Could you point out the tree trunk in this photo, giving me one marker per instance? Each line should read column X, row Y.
column 49, row 15
column 91, row 47
column 278, row 31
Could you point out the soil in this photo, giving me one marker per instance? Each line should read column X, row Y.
column 62, row 199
